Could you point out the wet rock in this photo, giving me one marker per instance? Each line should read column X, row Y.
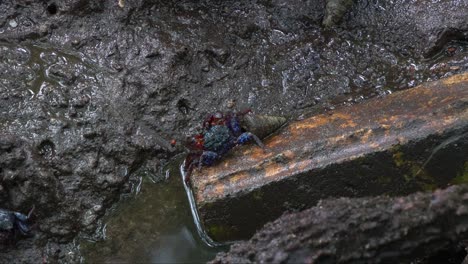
column 380, row 230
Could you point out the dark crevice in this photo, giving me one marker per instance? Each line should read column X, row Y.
column 52, row 9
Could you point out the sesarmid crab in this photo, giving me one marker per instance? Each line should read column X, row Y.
column 13, row 224
column 223, row 131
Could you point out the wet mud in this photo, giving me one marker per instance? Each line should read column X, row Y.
column 91, row 93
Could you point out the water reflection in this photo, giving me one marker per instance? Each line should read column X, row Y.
column 154, row 226
column 178, row 246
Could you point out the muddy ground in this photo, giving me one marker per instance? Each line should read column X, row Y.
column 91, row 93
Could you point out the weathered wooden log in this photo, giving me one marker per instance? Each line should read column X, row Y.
column 360, row 230
column 405, row 142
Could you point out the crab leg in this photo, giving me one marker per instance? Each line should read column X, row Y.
column 207, row 158
column 246, row 137
column 31, row 211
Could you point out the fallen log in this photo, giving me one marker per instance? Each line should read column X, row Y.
column 360, row 230
column 405, row 142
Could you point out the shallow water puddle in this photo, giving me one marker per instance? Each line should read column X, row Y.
column 154, row 226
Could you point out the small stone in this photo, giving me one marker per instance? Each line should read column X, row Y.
column 88, row 218
column 97, row 208
column 205, row 68
column 13, row 23
column 43, row 29
column 231, row 103
column 75, row 42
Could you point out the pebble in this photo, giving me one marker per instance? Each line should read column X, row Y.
column 88, row 218
column 43, row 29
column 13, row 23
column 230, row 103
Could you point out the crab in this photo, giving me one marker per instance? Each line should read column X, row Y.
column 14, row 224
column 220, row 133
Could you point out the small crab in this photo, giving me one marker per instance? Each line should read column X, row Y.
column 223, row 131
column 13, row 224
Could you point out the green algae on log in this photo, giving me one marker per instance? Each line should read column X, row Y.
column 405, row 142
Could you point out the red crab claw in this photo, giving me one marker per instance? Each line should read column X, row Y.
column 195, row 143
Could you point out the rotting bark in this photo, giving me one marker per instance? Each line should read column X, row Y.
column 364, row 230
